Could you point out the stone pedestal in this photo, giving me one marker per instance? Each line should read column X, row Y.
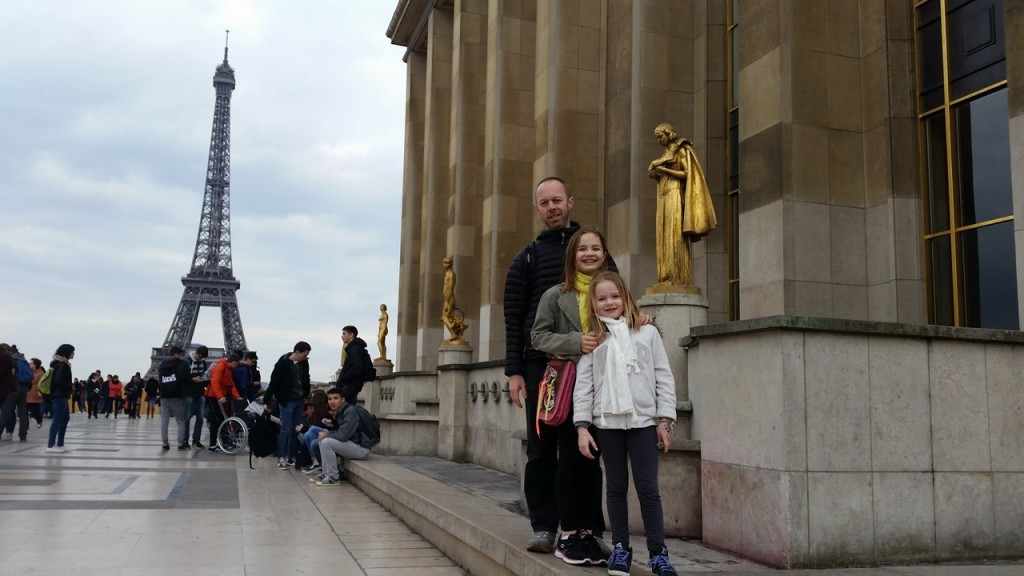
column 674, row 314
column 452, row 377
column 371, row 395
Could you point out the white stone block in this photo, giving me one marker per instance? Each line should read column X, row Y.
column 838, row 411
column 900, row 417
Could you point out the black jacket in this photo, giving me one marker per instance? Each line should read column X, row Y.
column 182, row 375
column 60, row 381
column 196, row 368
column 355, row 366
column 285, row 385
column 536, row 268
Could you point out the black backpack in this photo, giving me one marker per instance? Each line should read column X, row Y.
column 262, row 438
column 369, row 372
column 369, row 426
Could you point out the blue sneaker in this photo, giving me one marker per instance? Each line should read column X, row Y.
column 621, row 558
column 660, row 565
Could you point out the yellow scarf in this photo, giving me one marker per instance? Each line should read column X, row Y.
column 582, row 289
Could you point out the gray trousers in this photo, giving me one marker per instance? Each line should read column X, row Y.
column 173, row 407
column 641, row 447
column 330, row 449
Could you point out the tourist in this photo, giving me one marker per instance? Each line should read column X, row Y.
column 346, row 441
column 34, row 399
column 152, row 388
column 174, row 377
column 625, row 395
column 357, row 364
column 222, row 387
column 562, row 330
column 286, row 388
column 60, row 392
column 195, row 390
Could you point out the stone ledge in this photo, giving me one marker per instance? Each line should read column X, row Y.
column 851, row 327
column 408, row 417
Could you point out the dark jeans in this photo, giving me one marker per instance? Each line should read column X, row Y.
column 59, row 424
column 287, row 441
column 15, row 401
column 194, row 407
column 641, row 446
column 215, row 416
column 561, row 486
column 94, row 406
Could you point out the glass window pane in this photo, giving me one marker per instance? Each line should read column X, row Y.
column 941, row 289
column 936, row 175
column 989, row 289
column 983, row 159
column 929, row 43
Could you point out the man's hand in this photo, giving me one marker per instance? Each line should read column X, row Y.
column 517, row 389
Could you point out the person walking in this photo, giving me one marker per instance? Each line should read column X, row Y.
column 34, row 398
column 60, row 392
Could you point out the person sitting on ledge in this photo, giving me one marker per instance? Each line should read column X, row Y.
column 346, row 441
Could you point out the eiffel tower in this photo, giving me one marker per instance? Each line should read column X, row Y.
column 211, row 280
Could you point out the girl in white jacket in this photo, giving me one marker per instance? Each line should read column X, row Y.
column 626, row 389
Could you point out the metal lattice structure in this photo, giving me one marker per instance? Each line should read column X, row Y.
column 211, row 281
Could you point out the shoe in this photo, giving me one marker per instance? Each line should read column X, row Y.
column 55, row 449
column 282, row 464
column 198, row 445
column 165, row 448
column 621, row 558
column 39, row 424
column 213, row 449
column 319, row 478
column 311, row 469
column 183, row 446
column 290, row 462
column 22, row 439
column 8, row 436
column 570, row 550
column 543, row 542
column 592, row 550
column 328, row 482
column 660, row 565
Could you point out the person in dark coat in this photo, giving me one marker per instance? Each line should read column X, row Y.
column 60, row 393
column 357, row 362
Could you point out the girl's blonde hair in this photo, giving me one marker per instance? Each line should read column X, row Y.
column 631, row 310
column 568, row 281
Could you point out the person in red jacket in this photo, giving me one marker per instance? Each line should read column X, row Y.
column 222, row 386
column 115, row 395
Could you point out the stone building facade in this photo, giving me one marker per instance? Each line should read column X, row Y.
column 866, row 161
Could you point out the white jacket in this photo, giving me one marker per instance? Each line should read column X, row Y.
column 653, row 388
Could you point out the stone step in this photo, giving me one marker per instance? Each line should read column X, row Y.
column 472, row 514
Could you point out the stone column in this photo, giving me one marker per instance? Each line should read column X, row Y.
column 412, row 213
column 452, row 377
column 675, row 314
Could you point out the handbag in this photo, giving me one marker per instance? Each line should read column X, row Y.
column 554, row 393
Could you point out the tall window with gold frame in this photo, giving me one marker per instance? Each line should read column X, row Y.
column 733, row 195
column 965, row 142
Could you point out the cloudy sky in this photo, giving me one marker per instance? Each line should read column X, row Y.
column 105, row 115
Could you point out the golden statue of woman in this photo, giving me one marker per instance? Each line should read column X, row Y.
column 382, row 332
column 451, row 320
column 685, row 213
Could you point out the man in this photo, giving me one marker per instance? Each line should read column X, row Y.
column 535, row 269
column 286, row 387
column 7, row 385
column 16, row 400
column 255, row 379
column 221, row 389
column 241, row 374
column 174, row 376
column 357, row 364
column 195, row 389
column 347, row 440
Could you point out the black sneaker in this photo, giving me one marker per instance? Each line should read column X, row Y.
column 198, row 445
column 660, row 565
column 183, row 446
column 592, row 550
column 165, row 448
column 570, row 550
column 213, row 448
column 621, row 558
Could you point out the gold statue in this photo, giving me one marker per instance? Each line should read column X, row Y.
column 685, row 212
column 450, row 315
column 382, row 332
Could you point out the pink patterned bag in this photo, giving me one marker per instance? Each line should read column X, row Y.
column 554, row 393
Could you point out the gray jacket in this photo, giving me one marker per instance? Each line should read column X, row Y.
column 557, row 330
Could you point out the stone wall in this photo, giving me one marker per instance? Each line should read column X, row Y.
column 838, row 443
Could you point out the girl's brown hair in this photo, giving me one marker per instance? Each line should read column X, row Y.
column 631, row 312
column 318, row 401
column 568, row 281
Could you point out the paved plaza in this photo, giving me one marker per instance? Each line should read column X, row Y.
column 115, row 504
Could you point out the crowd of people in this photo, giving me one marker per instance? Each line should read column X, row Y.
column 564, row 300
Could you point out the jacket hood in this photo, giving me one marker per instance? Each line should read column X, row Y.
column 357, row 341
column 169, row 362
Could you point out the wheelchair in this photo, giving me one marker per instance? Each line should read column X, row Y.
column 233, row 432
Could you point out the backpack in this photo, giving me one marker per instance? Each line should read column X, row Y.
column 369, row 372
column 262, row 438
column 45, row 381
column 169, row 385
column 209, row 371
column 369, row 426
column 23, row 372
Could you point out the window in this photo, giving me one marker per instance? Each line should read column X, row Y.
column 964, row 123
column 733, row 144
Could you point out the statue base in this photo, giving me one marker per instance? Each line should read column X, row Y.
column 451, row 353
column 384, row 367
column 669, row 288
column 674, row 314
